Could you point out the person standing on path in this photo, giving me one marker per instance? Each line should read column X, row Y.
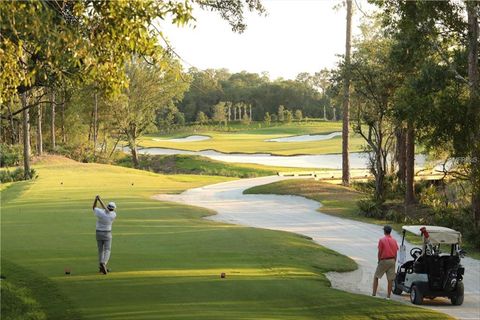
column 387, row 255
column 105, row 219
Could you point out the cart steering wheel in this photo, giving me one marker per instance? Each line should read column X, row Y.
column 416, row 252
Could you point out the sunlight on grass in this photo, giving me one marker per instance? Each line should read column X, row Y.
column 166, row 261
column 252, row 140
column 231, row 273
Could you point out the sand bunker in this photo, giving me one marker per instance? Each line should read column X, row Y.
column 307, row 138
column 193, row 138
column 355, row 239
column 358, row 160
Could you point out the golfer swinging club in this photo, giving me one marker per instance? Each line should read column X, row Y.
column 105, row 219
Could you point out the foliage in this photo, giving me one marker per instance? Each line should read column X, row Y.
column 434, row 49
column 47, row 41
column 281, row 113
column 219, row 113
column 188, row 164
column 371, row 208
column 246, row 119
column 298, row 115
column 267, row 119
column 18, row 174
column 288, row 116
column 202, row 118
column 10, row 155
column 374, row 83
column 150, row 96
column 265, row 95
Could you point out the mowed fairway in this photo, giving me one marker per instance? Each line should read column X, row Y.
column 252, row 140
column 166, row 260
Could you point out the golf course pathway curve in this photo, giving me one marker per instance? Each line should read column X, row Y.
column 354, row 239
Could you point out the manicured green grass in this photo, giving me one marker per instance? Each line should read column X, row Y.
column 192, row 164
column 166, row 260
column 252, row 140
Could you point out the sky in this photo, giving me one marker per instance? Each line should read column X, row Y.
column 295, row 36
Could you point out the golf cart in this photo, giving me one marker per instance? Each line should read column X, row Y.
column 431, row 273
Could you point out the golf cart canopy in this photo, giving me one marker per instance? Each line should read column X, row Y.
column 437, row 234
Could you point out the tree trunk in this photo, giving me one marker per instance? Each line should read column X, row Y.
column 95, row 119
column 114, row 147
column 379, row 178
column 39, row 130
column 410, row 165
column 13, row 136
column 52, row 124
column 474, row 106
column 62, row 117
column 90, row 126
column 346, row 99
column 400, row 154
column 133, row 149
column 26, row 137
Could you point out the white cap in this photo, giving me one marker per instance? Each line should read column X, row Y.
column 111, row 205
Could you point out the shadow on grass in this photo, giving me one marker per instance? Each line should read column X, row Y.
column 45, row 293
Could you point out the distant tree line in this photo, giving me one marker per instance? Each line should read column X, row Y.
column 309, row 94
column 78, row 76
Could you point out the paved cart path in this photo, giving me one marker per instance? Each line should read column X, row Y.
column 355, row 239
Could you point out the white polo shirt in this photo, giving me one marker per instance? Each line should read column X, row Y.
column 104, row 220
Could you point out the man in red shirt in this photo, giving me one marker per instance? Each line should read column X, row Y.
column 387, row 255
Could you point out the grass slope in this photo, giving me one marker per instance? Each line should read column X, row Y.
column 191, row 164
column 336, row 200
column 252, row 140
column 166, row 260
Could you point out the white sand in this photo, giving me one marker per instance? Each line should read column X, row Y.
column 306, row 138
column 193, row 138
column 358, row 160
column 296, row 214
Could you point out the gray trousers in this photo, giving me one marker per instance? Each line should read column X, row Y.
column 104, row 244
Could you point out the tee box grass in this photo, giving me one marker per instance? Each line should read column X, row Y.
column 166, row 261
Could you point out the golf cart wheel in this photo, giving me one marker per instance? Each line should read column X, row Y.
column 396, row 290
column 457, row 300
column 416, row 296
